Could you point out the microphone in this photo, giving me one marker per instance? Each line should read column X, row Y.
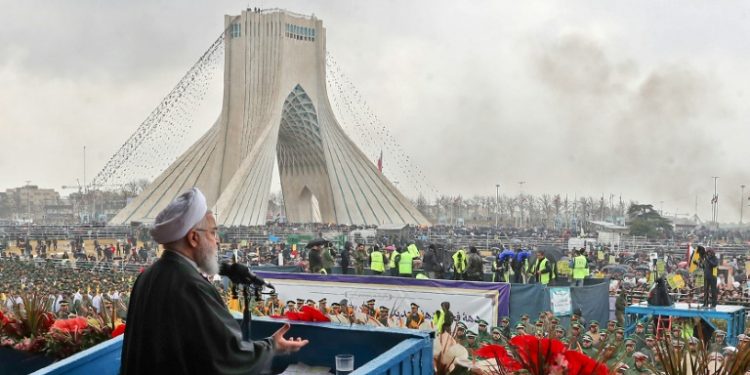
column 240, row 274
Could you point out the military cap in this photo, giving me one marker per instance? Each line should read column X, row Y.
column 693, row 340
column 505, row 319
column 323, row 300
column 371, row 301
column 481, row 322
column 554, row 320
column 559, row 329
column 587, row 337
column 290, row 302
column 383, row 308
column 729, row 350
column 497, row 329
column 650, row 337
column 300, row 300
column 720, row 333
column 461, row 325
column 470, row 334
column 520, row 326
column 414, row 305
column 310, row 302
column 629, row 341
column 639, row 355
column 539, row 323
column 620, row 330
column 639, row 324
column 677, row 342
column 593, row 323
column 575, row 325
column 524, row 316
column 612, row 322
column 335, row 304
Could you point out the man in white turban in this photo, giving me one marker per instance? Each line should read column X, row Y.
column 177, row 322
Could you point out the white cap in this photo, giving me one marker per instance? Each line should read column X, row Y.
column 180, row 215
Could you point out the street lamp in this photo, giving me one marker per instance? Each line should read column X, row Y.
column 742, row 201
column 497, row 205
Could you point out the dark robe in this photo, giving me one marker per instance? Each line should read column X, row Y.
column 177, row 323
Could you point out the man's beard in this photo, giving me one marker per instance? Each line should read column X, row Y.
column 207, row 260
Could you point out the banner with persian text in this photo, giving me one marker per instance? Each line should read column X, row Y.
column 469, row 300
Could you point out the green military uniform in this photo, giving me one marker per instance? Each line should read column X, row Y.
column 718, row 343
column 639, row 364
column 496, row 336
column 483, row 336
column 471, row 343
column 627, row 353
column 588, row 347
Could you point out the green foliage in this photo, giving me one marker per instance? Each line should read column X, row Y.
column 645, row 221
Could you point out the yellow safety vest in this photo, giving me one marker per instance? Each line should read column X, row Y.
column 377, row 262
column 404, row 263
column 580, row 269
column 460, row 265
column 544, row 277
column 413, row 251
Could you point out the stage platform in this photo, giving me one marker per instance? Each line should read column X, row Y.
column 734, row 315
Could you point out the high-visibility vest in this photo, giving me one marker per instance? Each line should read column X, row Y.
column 392, row 260
column 377, row 262
column 413, row 251
column 404, row 263
column 580, row 268
column 460, row 265
column 543, row 277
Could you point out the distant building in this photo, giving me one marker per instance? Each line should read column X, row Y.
column 27, row 203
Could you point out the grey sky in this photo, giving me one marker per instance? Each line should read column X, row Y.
column 641, row 98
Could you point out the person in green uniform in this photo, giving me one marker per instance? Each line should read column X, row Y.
column 559, row 333
column 360, row 259
column 639, row 364
column 587, row 346
column 520, row 330
column 539, row 329
column 718, row 343
column 609, row 356
column 619, row 339
column 505, row 327
column 594, row 332
column 483, row 335
column 639, row 336
column 496, row 337
column 460, row 333
column 574, row 337
column 471, row 343
column 527, row 323
column 649, row 348
column 627, row 355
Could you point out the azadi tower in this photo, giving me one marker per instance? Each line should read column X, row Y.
column 276, row 107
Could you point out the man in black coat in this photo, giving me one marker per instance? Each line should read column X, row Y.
column 345, row 253
column 177, row 323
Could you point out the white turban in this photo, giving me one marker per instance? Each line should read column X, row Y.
column 181, row 215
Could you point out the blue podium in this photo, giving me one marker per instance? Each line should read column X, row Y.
column 734, row 316
column 389, row 351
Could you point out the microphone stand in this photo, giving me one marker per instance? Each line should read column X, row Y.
column 246, row 316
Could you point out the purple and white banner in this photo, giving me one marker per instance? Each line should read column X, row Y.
column 469, row 300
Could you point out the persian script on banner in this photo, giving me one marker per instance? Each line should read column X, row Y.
column 560, row 301
column 468, row 305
